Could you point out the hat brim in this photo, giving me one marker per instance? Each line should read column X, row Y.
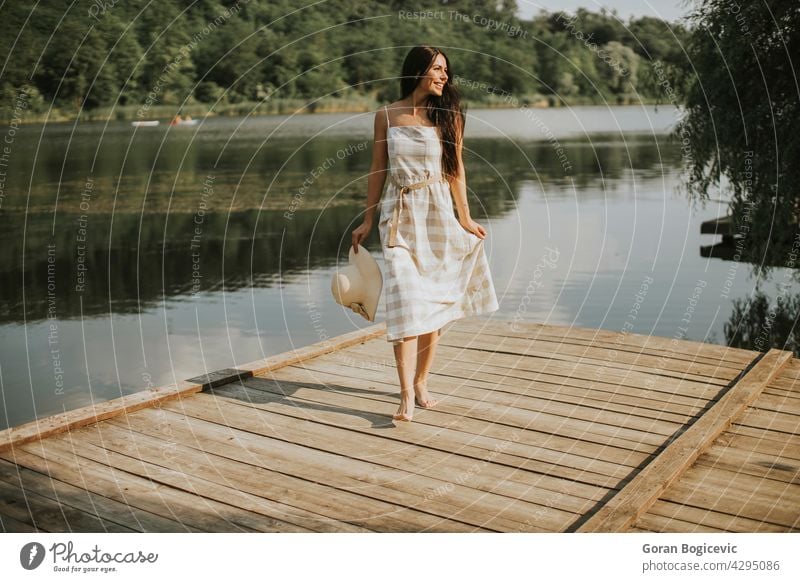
column 358, row 285
column 372, row 279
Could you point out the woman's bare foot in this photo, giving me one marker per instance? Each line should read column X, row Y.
column 421, row 395
column 406, row 409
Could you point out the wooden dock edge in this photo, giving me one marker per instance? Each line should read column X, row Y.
column 633, row 500
column 65, row 421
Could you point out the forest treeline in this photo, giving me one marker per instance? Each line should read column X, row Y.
column 138, row 58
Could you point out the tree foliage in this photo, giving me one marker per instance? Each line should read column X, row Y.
column 742, row 123
column 102, row 53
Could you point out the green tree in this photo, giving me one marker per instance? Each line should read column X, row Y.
column 227, row 56
column 75, row 70
column 80, row 56
column 167, row 40
column 655, row 39
column 124, row 55
column 621, row 66
column 318, row 80
column 743, row 120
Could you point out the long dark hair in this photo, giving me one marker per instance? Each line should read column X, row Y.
column 446, row 112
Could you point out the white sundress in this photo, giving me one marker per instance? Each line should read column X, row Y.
column 437, row 271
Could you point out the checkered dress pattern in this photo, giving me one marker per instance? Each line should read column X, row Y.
column 437, row 271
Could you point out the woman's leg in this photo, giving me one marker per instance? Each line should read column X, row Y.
column 426, row 348
column 405, row 354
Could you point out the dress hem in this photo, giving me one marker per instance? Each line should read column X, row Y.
column 442, row 325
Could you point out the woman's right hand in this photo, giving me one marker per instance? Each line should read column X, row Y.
column 361, row 233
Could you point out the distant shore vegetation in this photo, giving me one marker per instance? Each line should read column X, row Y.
column 135, row 60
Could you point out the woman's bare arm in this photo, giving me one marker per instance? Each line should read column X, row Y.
column 376, row 179
column 458, row 186
column 378, row 168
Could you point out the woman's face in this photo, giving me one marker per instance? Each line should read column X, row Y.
column 434, row 80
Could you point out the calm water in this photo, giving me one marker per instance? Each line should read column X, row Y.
column 136, row 258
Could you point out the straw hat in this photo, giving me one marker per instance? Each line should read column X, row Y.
column 359, row 284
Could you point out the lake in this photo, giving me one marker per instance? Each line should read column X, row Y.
column 138, row 257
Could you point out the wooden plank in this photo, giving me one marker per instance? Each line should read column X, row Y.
column 649, row 386
column 452, row 362
column 782, row 404
column 439, row 454
column 496, row 379
column 225, row 501
column 403, row 487
column 716, row 519
column 11, row 525
column 481, row 386
column 222, row 457
column 596, row 412
column 556, row 371
column 48, row 515
column 659, row 523
column 498, row 412
column 84, row 500
column 592, row 355
column 789, row 389
column 521, row 394
column 191, row 512
column 784, row 385
column 659, row 393
column 737, row 494
column 770, row 437
column 777, row 422
column 787, row 384
column 750, row 487
column 790, row 400
column 590, row 424
column 91, row 414
column 642, row 343
column 337, row 497
column 399, row 487
column 792, row 371
column 760, row 465
column 525, row 442
column 615, row 445
column 589, row 372
column 541, row 430
column 788, row 450
column 639, row 343
column 246, row 462
column 672, row 347
column 638, row 495
column 86, row 415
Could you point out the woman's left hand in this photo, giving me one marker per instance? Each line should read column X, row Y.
column 473, row 227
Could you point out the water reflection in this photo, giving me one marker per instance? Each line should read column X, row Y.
column 759, row 323
column 203, row 234
column 132, row 263
column 133, row 258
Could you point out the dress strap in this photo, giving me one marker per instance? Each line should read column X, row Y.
column 387, row 116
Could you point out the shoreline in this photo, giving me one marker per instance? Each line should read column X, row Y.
column 165, row 113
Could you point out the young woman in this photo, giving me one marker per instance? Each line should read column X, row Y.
column 435, row 266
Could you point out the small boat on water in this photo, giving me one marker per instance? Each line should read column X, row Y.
column 145, row 123
column 178, row 120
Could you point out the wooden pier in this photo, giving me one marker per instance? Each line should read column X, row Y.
column 539, row 428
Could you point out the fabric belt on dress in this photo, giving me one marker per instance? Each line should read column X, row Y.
column 398, row 207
